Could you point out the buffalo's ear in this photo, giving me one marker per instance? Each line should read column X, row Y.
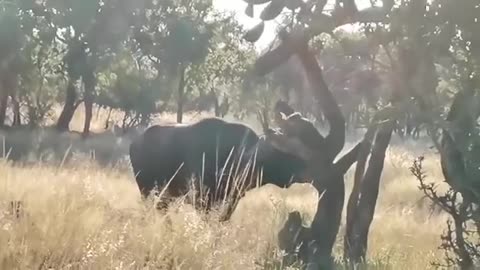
column 345, row 162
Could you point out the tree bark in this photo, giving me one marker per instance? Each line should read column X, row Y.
column 462, row 117
column 216, row 104
column 335, row 140
column 69, row 107
column 17, row 119
column 8, row 84
column 327, row 105
column 329, row 177
column 326, row 222
column 3, row 105
column 362, row 203
column 89, row 83
column 181, row 94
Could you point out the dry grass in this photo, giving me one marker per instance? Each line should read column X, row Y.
column 89, row 217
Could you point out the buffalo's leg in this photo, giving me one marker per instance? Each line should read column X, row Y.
column 145, row 183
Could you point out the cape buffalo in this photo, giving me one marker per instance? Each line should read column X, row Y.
column 174, row 153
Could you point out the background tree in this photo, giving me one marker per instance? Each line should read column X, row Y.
column 11, row 43
column 310, row 21
column 414, row 41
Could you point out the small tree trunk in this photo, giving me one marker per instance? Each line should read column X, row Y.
column 3, row 106
column 181, row 94
column 8, row 85
column 107, row 122
column 225, row 106
column 145, row 119
column 17, row 121
column 32, row 116
column 68, row 111
column 362, row 206
column 216, row 104
column 89, row 81
column 352, row 204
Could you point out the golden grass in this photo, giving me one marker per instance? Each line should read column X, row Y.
column 90, row 217
column 87, row 217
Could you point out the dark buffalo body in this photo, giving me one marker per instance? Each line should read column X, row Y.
column 203, row 148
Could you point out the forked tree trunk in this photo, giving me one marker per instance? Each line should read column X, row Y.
column 329, row 176
column 69, row 107
column 363, row 200
column 335, row 140
column 326, row 222
column 181, row 94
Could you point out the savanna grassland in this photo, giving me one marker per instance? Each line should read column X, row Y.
column 79, row 215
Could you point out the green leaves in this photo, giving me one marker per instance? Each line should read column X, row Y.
column 80, row 15
column 134, row 47
column 83, row 14
column 372, row 15
column 186, row 43
column 272, row 10
column 255, row 33
column 293, row 4
column 249, row 10
column 257, row 2
column 10, row 34
column 321, row 23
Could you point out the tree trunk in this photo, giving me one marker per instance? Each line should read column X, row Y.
column 326, row 222
column 454, row 142
column 32, row 117
column 329, row 176
column 17, row 121
column 328, row 106
column 8, row 84
column 69, row 107
column 145, row 119
column 3, row 105
column 216, row 104
column 181, row 94
column 89, row 82
column 360, row 218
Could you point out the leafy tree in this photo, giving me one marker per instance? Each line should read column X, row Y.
column 126, row 87
column 310, row 20
column 411, row 41
column 224, row 67
column 11, row 43
column 39, row 80
column 89, row 30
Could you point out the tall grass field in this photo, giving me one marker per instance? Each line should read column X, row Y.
column 81, row 215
